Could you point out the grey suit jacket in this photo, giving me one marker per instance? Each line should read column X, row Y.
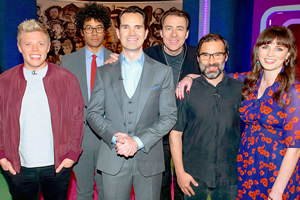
column 76, row 63
column 156, row 115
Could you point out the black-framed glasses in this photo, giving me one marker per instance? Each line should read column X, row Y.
column 216, row 56
column 89, row 29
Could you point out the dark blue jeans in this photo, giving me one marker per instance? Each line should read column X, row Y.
column 30, row 181
column 224, row 193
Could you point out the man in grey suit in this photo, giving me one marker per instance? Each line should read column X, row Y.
column 132, row 107
column 92, row 20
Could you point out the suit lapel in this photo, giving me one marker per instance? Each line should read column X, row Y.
column 82, row 71
column 117, row 84
column 146, row 86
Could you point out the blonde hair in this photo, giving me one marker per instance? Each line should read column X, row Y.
column 31, row 26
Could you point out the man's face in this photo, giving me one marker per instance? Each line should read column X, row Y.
column 157, row 14
column 55, row 47
column 71, row 30
column 174, row 33
column 93, row 40
column 156, row 32
column 56, row 30
column 132, row 32
column 54, row 13
column 212, row 67
column 34, row 47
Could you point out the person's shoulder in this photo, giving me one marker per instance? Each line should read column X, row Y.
column 295, row 87
column 9, row 73
column 191, row 50
column 109, row 67
column 58, row 71
column 155, row 63
column 235, row 82
column 73, row 56
column 153, row 50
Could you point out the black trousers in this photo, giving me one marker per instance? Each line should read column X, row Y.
column 30, row 181
column 167, row 179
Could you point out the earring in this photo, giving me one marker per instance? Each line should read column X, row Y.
column 286, row 62
column 257, row 60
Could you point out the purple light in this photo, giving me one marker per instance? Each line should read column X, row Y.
column 204, row 30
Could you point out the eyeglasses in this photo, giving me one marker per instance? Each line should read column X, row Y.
column 89, row 30
column 216, row 56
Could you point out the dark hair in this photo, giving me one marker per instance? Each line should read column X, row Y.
column 211, row 37
column 286, row 78
column 133, row 9
column 174, row 11
column 162, row 10
column 93, row 11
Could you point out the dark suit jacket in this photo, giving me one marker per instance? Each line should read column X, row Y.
column 156, row 115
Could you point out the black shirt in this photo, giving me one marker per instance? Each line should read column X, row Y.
column 209, row 118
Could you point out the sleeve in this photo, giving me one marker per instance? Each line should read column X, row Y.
column 239, row 76
column 96, row 112
column 167, row 115
column 2, row 151
column 77, row 120
column 291, row 125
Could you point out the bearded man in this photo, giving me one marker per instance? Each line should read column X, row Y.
column 205, row 141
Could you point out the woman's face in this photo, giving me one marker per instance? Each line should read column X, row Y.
column 272, row 56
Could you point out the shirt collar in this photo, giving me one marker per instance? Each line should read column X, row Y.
column 88, row 53
column 140, row 60
column 222, row 82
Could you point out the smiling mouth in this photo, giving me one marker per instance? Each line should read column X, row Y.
column 269, row 61
column 35, row 56
column 132, row 39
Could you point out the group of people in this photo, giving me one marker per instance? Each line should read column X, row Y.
column 66, row 38
column 116, row 118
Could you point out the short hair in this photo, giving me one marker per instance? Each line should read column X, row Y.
column 31, row 26
column 67, row 42
column 175, row 12
column 133, row 9
column 55, row 42
column 162, row 10
column 93, row 11
column 56, row 22
column 211, row 37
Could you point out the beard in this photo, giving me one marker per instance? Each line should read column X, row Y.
column 212, row 74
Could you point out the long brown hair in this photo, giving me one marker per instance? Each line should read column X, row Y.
column 286, row 78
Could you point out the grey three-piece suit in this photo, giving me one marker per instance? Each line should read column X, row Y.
column 149, row 115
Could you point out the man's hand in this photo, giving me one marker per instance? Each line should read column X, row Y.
column 67, row 163
column 184, row 179
column 113, row 58
column 126, row 145
column 7, row 166
column 187, row 82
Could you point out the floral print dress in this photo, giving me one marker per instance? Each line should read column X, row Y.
column 269, row 131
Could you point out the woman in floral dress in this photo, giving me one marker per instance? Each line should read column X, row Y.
column 268, row 159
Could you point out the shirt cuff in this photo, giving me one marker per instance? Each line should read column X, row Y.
column 114, row 140
column 139, row 142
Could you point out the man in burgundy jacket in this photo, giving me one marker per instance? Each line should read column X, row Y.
column 41, row 120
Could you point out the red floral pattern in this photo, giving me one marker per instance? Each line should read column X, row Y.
column 269, row 131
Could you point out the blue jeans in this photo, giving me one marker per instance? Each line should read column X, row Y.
column 224, row 193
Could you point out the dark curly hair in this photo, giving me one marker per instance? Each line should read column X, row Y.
column 286, row 78
column 93, row 11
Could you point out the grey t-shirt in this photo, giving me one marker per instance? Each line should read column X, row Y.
column 36, row 137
